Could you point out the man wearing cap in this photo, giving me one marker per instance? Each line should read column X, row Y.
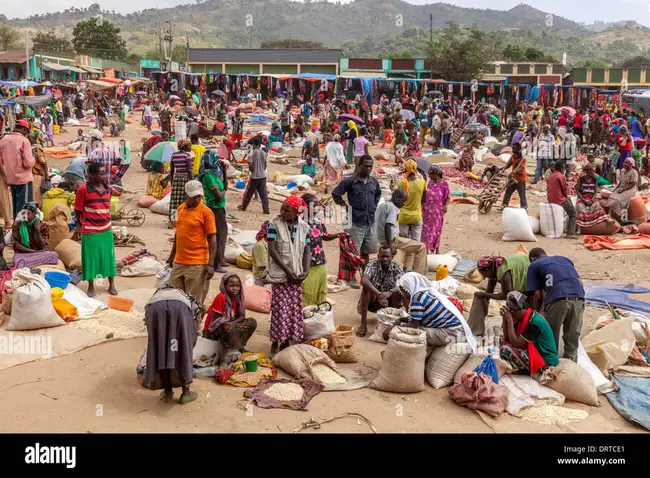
column 195, row 244
column 16, row 161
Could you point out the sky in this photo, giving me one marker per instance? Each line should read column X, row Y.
column 584, row 11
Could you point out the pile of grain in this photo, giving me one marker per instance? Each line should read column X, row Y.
column 252, row 378
column 325, row 375
column 552, row 415
column 285, row 392
column 123, row 325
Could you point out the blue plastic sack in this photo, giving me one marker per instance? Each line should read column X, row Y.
column 489, row 368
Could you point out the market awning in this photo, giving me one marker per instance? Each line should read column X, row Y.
column 35, row 102
column 98, row 85
column 58, row 67
column 91, row 70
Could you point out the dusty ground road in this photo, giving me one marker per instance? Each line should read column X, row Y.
column 103, row 379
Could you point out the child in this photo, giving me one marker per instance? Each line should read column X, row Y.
column 260, row 255
column 226, row 320
column 309, row 168
column 80, row 136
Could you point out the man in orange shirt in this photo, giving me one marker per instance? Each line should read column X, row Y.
column 195, row 245
column 518, row 164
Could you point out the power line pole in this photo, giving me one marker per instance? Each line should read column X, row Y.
column 160, row 48
column 27, row 55
column 431, row 42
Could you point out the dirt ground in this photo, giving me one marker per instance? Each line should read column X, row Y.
column 95, row 390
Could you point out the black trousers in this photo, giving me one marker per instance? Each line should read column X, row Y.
column 258, row 185
column 521, row 190
column 222, row 234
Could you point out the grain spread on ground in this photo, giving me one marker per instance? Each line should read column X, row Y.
column 123, row 325
column 325, row 375
column 284, row 392
column 252, row 378
column 552, row 415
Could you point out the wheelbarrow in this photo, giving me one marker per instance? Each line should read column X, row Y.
column 133, row 217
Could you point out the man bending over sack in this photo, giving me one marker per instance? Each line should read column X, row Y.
column 555, row 281
column 378, row 284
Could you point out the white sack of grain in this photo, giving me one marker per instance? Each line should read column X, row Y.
column 162, row 206
column 385, row 319
column 516, row 226
column 572, row 381
column 402, row 369
column 441, row 367
column 603, row 384
column 527, row 392
column 318, row 322
column 86, row 306
column 31, row 304
column 204, row 349
column 466, row 291
column 297, row 360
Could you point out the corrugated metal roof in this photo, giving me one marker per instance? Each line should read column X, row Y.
column 90, row 69
column 58, row 67
column 263, row 55
column 14, row 56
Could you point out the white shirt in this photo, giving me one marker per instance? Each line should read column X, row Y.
column 334, row 154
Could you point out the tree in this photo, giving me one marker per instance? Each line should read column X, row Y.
column 100, row 39
column 9, row 39
column 50, row 43
column 400, row 54
column 514, row 53
column 533, row 54
column 595, row 64
column 291, row 43
column 178, row 53
column 459, row 54
column 636, row 62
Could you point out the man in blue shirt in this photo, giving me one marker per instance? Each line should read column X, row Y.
column 363, row 192
column 556, row 280
column 307, row 110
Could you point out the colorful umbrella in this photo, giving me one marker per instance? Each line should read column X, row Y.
column 174, row 97
column 355, row 118
column 161, row 152
column 218, row 93
column 571, row 111
column 407, row 114
column 190, row 110
column 141, row 93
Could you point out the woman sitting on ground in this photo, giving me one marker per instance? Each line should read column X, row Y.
column 529, row 343
column 30, row 238
column 227, row 321
column 589, row 211
column 432, row 311
column 619, row 201
column 510, row 272
column 156, row 180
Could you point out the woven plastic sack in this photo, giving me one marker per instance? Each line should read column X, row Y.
column 572, row 381
column 342, row 345
column 441, row 367
column 516, row 226
column 551, row 220
column 318, row 322
column 402, row 369
column 31, row 303
column 385, row 319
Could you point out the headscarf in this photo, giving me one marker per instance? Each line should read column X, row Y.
column 24, row 232
column 490, row 262
column 412, row 283
column 410, row 167
column 434, row 168
column 297, row 203
column 261, row 234
column 353, row 125
column 183, row 144
column 337, row 138
column 308, row 143
column 630, row 160
column 516, row 301
column 230, row 303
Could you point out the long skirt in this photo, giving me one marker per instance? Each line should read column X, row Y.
column 433, row 219
column 331, row 175
column 35, row 259
column 147, row 121
column 286, row 313
column 171, row 331
column 623, row 155
column 588, row 216
column 178, row 194
column 349, row 152
column 314, row 288
column 233, row 335
column 518, row 358
column 98, row 256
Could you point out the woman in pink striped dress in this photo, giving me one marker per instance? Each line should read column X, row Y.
column 434, row 209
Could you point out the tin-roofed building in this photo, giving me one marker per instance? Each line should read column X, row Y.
column 258, row 61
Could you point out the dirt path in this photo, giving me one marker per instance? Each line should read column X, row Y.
column 96, row 389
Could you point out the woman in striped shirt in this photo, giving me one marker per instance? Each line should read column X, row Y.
column 92, row 205
column 432, row 311
column 180, row 172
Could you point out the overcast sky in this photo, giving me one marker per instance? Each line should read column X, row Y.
column 586, row 11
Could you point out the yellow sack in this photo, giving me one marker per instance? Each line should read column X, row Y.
column 65, row 309
column 471, row 175
column 280, row 178
column 245, row 261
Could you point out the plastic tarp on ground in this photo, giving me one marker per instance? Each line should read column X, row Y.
column 636, row 241
column 35, row 102
column 617, row 295
column 631, row 399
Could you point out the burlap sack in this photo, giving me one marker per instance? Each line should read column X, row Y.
column 402, row 369
column 58, row 225
column 298, row 359
column 572, row 381
column 69, row 252
column 342, row 343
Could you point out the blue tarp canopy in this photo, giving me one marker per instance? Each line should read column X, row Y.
column 19, row 84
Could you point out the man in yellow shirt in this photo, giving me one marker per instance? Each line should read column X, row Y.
column 198, row 149
column 410, row 215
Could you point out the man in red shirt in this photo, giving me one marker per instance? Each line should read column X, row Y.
column 625, row 142
column 556, row 193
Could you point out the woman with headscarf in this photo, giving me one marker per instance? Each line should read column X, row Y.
column 433, row 312
column 510, row 272
column 30, row 238
column 361, row 145
column 588, row 210
column 214, row 179
column 410, row 215
column 260, row 255
column 171, row 316
column 156, row 180
column 289, row 239
column 413, row 145
column 466, row 160
column 314, row 288
column 627, row 187
column 227, row 321
column 180, row 172
column 334, row 163
column 529, row 343
column 625, row 144
column 352, row 134
column 434, row 207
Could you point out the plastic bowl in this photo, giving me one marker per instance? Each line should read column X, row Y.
column 240, row 184
column 119, row 303
column 292, row 185
column 57, row 279
column 57, row 293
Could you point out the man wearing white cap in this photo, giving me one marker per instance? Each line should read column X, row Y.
column 195, row 244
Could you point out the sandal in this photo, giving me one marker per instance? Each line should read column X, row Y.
column 187, row 398
column 500, row 209
column 166, row 397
